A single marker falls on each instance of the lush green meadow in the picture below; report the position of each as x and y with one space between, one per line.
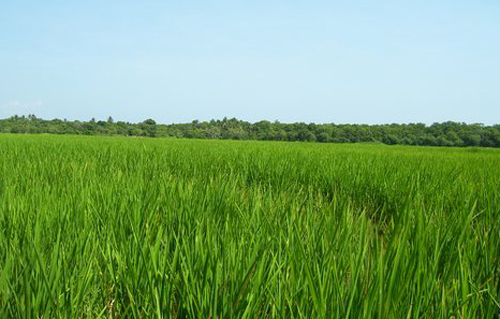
136 227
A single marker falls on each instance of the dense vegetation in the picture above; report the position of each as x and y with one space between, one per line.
438 134
119 227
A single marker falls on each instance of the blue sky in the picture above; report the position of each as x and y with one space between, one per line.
312 61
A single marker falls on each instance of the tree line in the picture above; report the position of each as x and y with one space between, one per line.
438 134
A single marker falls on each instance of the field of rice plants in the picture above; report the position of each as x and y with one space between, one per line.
117 227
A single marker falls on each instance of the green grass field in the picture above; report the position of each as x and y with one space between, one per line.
138 228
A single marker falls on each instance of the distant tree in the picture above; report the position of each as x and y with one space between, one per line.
438 134
472 139
391 139
280 136
429 140
454 139
148 127
490 138
323 137
443 141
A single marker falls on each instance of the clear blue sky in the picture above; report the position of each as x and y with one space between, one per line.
296 60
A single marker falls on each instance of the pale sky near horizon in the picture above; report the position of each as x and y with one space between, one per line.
293 61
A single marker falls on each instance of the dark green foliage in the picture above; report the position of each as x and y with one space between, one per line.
437 134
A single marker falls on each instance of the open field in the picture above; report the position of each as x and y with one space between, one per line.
136 227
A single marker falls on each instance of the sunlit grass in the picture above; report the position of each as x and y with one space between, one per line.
122 227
